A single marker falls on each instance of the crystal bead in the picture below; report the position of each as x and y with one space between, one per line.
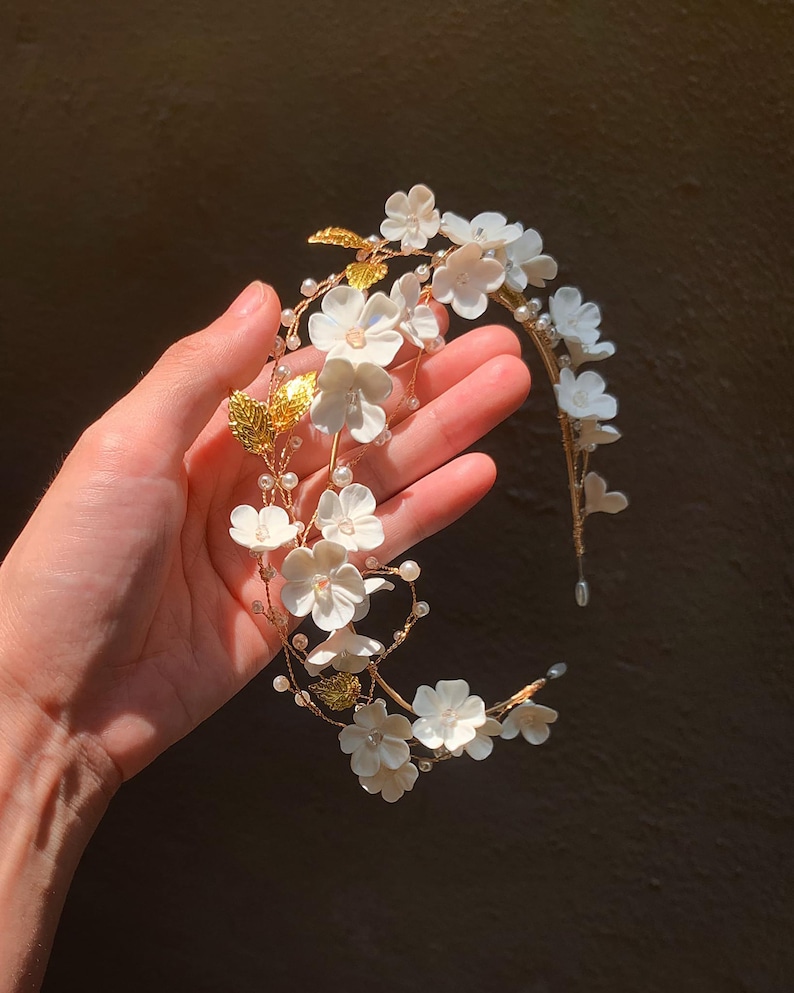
280 684
300 641
435 345
383 437
295 443
293 342
279 348
253 554
422 272
522 314
266 481
425 765
421 608
557 670
287 316
309 287
289 480
258 607
564 361
342 475
582 592
371 562
412 403
410 570
544 322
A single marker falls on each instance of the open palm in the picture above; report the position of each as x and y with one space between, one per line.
124 604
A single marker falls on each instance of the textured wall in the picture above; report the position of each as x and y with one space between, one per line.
157 156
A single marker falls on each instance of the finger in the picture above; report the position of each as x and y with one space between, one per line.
173 402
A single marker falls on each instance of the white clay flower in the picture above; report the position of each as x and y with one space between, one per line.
531 720
376 739
356 328
593 433
418 323
481 745
448 716
575 321
465 281
351 395
411 218
524 262
262 530
486 230
372 584
597 500
322 582
346 651
349 518
589 353
583 397
391 783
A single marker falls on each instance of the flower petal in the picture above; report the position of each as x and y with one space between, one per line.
329 509
425 730
452 693
366 422
356 500
328 555
298 565
393 751
245 518
426 702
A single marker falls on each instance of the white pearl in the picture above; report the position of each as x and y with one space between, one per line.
293 342
439 255
557 670
266 481
301 698
544 322
374 239
309 287
283 372
534 306
398 636
287 316
410 570
522 314
422 272
412 403
342 475
280 684
289 481
279 347
421 608
300 526
300 641
489 253
582 593
435 345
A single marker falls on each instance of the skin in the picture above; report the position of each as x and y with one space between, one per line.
125 614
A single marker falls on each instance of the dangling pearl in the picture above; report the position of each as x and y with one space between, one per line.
293 342
410 570
412 403
522 314
287 316
289 480
309 287
300 641
342 475
266 481
283 372
425 765
557 670
280 684
421 608
279 347
582 592
422 272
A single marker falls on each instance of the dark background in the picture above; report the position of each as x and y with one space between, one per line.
156 157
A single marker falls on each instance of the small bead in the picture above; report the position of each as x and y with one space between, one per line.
302 698
300 526
383 437
398 636
253 554
295 443
266 481
283 372
362 254
342 475
287 316
582 592
534 306
425 765
591 447
293 342
489 253
289 481
422 272
412 403
258 607
522 314
279 347
557 670
421 608
564 361
269 572
410 570
439 255
435 345
371 562
280 684
544 322
576 425
374 239
309 287
300 641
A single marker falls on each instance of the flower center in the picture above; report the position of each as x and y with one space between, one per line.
479 235
262 533
580 398
356 337
449 717
462 279
352 399
321 584
346 526
375 737
412 222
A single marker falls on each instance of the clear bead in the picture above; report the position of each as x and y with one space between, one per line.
371 562
266 481
309 287
295 443
421 608
293 342
342 475
422 272
435 345
300 641
564 361
557 670
287 316
383 437
412 403
279 347
269 572
258 607
410 570
591 447
289 480
582 592
280 684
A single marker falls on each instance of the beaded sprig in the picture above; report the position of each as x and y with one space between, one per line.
360 334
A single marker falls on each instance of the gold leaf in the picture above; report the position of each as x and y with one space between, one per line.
362 275
291 401
250 423
338 692
339 236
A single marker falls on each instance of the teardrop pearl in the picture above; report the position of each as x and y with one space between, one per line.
582 592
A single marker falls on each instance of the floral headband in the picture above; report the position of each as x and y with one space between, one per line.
483 259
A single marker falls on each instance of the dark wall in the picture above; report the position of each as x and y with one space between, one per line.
159 155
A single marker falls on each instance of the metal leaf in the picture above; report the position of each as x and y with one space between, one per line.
249 422
362 275
291 401
339 236
338 692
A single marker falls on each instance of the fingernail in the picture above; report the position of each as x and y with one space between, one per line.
250 300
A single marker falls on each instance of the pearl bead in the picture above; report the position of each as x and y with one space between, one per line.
522 314
534 306
374 239
582 593
295 443
266 481
591 447
301 698
544 322
422 272
289 481
300 641
425 765
287 316
421 608
371 562
412 403
439 255
283 372
280 684
342 475
410 570
557 670
309 287
399 636
258 607
435 345
300 526
293 342
279 348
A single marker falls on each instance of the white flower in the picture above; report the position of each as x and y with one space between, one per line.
524 262
345 650
351 395
356 328
320 580
391 783
349 518
448 716
583 397
261 530
466 279
574 320
593 433
372 584
418 322
486 230
597 500
411 218
481 745
376 739
531 720
589 353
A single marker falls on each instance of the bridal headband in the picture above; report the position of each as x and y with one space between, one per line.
327 567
